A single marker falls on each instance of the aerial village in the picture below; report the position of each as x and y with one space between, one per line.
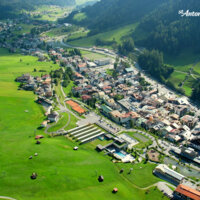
122 100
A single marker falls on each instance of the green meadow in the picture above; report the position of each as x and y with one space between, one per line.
92 56
25 28
51 13
62 172
182 63
79 17
116 35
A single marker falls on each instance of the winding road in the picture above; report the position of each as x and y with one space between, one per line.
6 198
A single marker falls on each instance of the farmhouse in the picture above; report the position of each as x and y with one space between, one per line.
53 117
81 67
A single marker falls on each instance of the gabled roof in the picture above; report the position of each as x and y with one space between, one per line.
188 192
170 172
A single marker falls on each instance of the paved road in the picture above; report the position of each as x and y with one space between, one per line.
8 198
63 109
60 40
163 187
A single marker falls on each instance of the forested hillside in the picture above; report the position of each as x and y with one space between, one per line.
161 27
108 14
167 31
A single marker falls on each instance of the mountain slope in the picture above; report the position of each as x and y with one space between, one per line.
161 27
166 30
108 14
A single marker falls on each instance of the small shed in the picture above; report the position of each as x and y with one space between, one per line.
75 148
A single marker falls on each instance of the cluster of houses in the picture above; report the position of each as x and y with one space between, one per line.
13 37
162 113
151 110
43 88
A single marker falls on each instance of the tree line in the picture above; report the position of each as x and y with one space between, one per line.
152 62
166 30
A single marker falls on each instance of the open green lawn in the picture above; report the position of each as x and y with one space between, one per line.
79 17
177 77
26 28
139 170
94 143
77 35
183 63
79 2
116 35
59 93
92 56
62 172
68 89
50 13
144 141
72 124
188 85
55 32
61 123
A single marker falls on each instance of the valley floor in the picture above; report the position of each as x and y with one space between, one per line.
62 172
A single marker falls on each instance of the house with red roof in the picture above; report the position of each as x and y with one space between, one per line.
81 67
184 192
85 98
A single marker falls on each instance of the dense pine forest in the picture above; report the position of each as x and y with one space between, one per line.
108 14
167 31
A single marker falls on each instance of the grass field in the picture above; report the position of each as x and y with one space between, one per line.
79 17
77 35
144 141
79 2
62 172
183 63
177 78
92 56
68 89
188 85
55 32
61 123
72 124
139 170
51 13
116 35
26 28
